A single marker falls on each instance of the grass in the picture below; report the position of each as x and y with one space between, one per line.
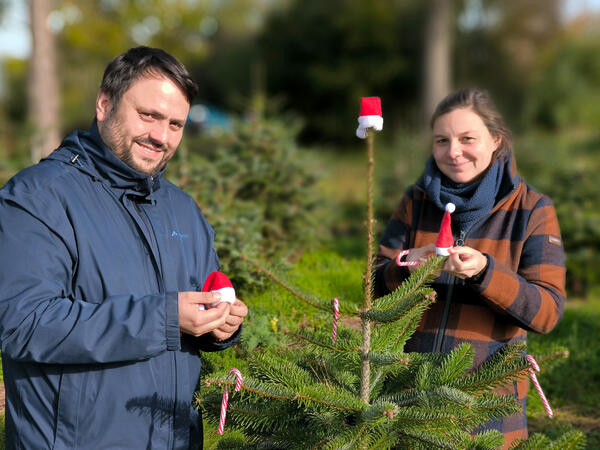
573 386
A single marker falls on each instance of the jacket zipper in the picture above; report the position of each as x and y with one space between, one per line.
440 333
150 246
162 289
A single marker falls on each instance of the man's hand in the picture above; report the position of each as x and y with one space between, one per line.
197 322
465 262
236 316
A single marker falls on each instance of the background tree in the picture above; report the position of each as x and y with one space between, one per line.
339 51
42 89
437 70
501 45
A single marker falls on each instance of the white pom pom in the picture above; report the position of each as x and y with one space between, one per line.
450 207
361 132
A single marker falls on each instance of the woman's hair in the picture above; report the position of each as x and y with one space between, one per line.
481 103
138 62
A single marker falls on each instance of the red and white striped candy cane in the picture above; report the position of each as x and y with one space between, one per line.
238 386
536 383
405 263
336 316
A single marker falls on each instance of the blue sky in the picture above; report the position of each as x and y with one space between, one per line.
15 39
14 32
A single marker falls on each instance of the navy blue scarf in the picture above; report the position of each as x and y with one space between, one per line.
473 200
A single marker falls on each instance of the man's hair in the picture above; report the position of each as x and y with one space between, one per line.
138 62
481 104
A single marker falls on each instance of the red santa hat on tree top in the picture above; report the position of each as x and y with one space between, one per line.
445 241
218 282
370 116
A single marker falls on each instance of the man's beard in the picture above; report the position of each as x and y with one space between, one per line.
113 138
127 156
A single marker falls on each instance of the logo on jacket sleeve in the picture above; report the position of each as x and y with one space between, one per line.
554 240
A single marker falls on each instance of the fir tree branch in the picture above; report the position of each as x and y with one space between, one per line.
246 387
422 275
295 397
306 298
316 341
503 367
402 307
316 400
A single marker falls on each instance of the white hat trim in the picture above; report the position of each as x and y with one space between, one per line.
227 294
442 251
374 121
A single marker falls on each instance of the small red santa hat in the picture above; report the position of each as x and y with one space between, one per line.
370 116
218 282
445 240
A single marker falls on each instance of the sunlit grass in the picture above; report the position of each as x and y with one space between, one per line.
573 386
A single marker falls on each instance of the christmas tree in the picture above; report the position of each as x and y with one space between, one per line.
355 387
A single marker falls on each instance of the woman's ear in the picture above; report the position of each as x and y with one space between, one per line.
497 142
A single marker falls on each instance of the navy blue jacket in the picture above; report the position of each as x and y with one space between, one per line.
92 256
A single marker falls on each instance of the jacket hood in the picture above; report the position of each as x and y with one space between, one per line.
86 151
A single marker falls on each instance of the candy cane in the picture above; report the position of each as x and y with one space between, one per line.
336 316
405 263
238 386
536 383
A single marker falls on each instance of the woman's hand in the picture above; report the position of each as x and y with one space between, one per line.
465 262
420 255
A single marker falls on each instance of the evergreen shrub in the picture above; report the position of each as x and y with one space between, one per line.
565 168
258 190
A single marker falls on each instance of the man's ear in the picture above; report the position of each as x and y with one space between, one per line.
103 106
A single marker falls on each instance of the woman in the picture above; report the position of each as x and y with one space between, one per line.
505 275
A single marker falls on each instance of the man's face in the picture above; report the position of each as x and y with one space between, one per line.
146 127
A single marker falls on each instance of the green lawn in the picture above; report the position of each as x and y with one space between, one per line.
572 386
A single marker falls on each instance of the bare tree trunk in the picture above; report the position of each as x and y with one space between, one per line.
365 376
437 70
43 84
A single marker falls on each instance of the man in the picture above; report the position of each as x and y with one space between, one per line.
101 261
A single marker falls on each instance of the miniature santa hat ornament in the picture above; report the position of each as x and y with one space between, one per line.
370 116
218 282
445 241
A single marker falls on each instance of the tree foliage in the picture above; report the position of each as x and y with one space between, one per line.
310 398
341 50
257 189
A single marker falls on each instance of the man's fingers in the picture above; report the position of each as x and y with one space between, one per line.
239 309
229 329
207 297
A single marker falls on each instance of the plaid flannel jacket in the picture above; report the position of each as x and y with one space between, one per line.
522 289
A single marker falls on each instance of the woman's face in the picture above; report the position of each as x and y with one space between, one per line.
462 145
